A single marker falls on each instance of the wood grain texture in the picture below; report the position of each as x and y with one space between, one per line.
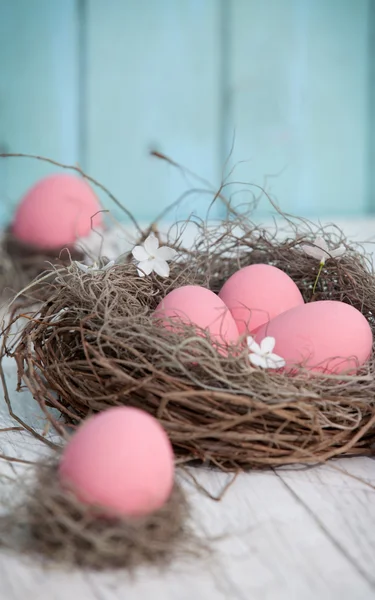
295 534
343 507
38 92
299 92
299 534
153 82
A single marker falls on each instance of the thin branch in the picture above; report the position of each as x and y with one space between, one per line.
81 172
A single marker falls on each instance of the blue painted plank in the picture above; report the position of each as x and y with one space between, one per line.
299 88
38 91
153 81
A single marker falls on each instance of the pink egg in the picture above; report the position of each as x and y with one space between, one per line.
56 211
324 336
258 293
121 460
192 304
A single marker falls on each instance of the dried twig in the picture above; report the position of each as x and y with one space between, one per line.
93 344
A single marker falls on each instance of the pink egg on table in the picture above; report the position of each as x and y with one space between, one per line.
324 336
195 305
56 211
258 293
120 460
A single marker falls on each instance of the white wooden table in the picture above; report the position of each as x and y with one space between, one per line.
298 534
302 533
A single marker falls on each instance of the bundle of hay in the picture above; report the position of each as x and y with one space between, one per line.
21 263
94 344
49 523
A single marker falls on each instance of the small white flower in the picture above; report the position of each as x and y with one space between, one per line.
95 267
261 355
152 258
319 249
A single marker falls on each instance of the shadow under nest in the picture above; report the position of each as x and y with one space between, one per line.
93 344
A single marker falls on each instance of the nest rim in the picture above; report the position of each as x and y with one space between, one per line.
253 430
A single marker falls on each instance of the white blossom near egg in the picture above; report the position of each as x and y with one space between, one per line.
319 250
151 257
262 355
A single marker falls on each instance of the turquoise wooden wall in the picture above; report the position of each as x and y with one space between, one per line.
38 90
100 82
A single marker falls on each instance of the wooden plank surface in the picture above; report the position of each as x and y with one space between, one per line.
341 506
297 533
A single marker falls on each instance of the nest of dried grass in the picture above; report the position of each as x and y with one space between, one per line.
52 524
21 263
93 344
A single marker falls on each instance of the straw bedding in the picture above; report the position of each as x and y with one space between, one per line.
94 344
21 263
51 524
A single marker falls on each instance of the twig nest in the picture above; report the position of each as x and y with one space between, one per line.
95 343
121 460
52 524
53 216
21 263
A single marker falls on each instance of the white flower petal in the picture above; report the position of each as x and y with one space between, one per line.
314 252
81 266
338 252
253 346
258 361
319 250
274 361
109 265
166 253
267 345
161 267
140 253
145 267
151 244
320 243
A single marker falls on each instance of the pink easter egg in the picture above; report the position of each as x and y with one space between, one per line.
56 211
325 336
258 293
195 305
120 460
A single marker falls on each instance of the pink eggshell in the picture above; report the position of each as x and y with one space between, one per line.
56 211
258 293
325 336
192 304
121 460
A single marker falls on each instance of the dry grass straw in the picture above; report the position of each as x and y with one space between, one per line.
54 526
21 263
93 344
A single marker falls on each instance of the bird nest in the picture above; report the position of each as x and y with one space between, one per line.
93 344
21 263
49 523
